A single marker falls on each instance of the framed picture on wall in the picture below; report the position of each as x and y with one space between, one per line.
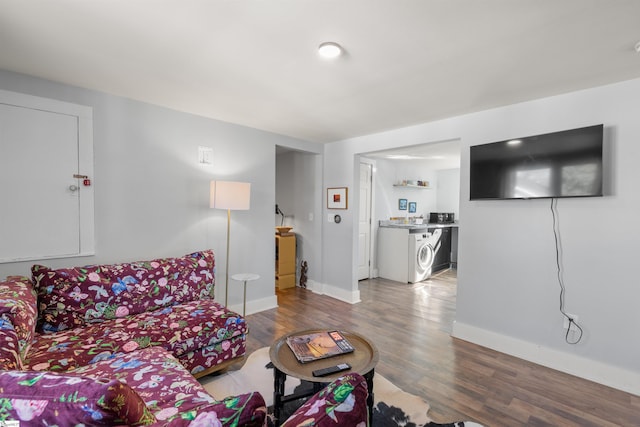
412 207
402 204
337 198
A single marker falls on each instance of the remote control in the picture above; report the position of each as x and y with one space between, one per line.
331 370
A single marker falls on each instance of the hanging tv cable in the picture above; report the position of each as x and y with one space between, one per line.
571 321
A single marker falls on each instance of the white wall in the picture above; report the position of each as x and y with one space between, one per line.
507 292
390 172
448 188
339 257
443 194
151 196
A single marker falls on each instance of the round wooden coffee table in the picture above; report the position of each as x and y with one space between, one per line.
362 360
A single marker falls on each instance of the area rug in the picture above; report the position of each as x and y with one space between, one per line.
393 407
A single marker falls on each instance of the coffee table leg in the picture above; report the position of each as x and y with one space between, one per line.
279 379
369 377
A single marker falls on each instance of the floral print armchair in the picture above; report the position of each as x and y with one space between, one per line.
341 403
146 387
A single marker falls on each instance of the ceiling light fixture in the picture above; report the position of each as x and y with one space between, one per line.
638 47
329 50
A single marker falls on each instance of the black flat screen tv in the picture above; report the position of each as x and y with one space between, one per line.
558 164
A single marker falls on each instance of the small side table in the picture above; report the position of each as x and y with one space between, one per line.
245 277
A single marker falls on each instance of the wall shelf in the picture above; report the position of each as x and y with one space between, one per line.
421 187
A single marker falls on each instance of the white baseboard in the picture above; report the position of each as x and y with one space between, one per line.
334 292
588 369
256 306
315 287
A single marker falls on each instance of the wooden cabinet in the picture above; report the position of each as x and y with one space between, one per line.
285 260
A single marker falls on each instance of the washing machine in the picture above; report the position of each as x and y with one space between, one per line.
423 248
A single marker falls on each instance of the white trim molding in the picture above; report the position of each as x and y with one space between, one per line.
588 369
334 292
256 306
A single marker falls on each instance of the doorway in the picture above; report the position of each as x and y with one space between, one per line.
299 201
437 163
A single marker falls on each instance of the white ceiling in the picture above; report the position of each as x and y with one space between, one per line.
254 62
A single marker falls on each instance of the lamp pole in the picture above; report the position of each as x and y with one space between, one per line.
230 196
226 271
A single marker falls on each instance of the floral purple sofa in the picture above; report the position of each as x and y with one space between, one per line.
87 314
120 345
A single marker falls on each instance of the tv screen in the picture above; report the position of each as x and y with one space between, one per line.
559 164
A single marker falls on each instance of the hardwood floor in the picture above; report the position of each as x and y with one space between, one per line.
411 326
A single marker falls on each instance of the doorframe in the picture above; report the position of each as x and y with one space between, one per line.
373 262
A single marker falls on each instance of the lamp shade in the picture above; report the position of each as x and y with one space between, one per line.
235 196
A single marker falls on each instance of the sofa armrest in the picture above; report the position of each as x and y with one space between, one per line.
9 345
341 403
18 313
69 400
244 410
18 310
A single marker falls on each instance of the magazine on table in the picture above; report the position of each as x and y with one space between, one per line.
318 345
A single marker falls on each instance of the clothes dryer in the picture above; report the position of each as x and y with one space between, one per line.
422 251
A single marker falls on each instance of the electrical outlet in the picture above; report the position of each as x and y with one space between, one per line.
572 327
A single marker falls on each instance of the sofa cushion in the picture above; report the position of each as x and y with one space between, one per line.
172 394
40 398
18 312
73 297
180 329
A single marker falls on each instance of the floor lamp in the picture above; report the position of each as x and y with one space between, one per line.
232 196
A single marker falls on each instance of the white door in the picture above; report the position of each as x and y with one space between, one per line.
42 202
364 222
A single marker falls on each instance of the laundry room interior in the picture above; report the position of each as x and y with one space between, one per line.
415 211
